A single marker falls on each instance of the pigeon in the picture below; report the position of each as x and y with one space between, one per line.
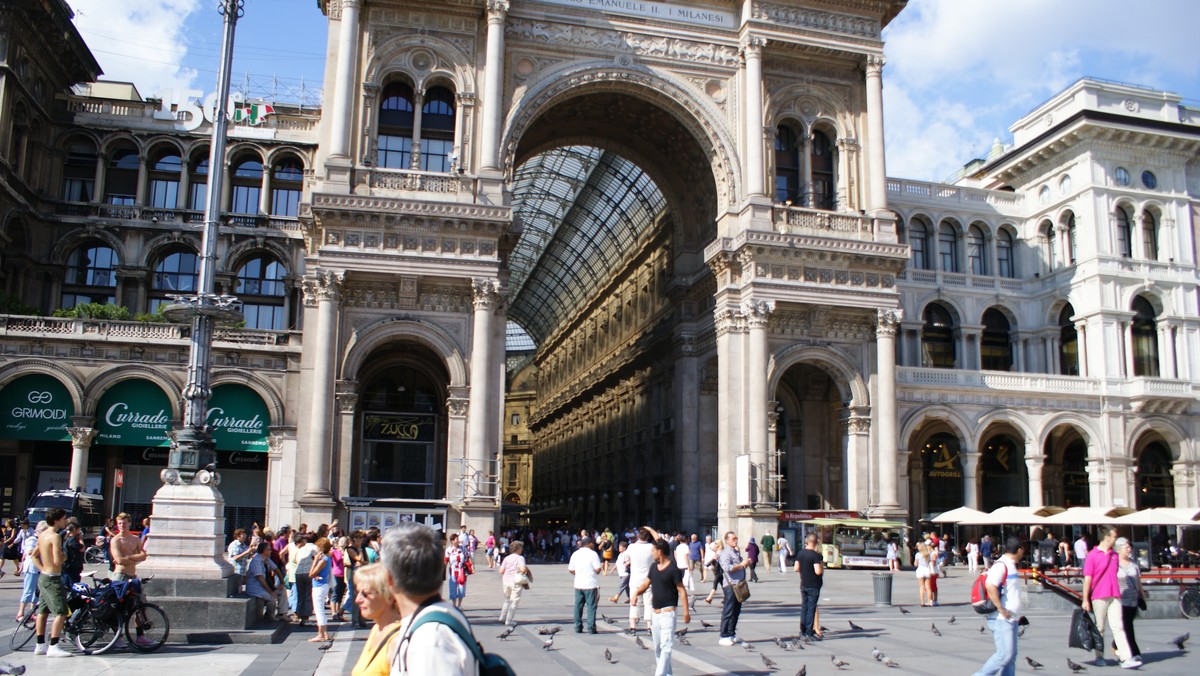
823 630
904 611
706 625
640 643
854 627
802 671
611 621
681 633
506 633
548 631
935 629
1034 663
768 662
325 646
795 645
839 664
747 647
876 654
1180 640
982 628
14 669
952 620
778 641
891 663
548 644
683 641
608 655
1076 668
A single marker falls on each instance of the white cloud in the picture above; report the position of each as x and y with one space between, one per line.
964 70
139 41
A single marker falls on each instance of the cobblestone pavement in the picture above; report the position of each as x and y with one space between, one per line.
771 612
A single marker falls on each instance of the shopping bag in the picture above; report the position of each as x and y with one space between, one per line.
1084 634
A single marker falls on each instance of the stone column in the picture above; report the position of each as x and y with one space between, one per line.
140 191
326 286
98 181
493 97
753 168
856 439
758 315
344 81
886 322
1164 351
1127 347
185 186
264 192
1034 462
347 405
1081 334
875 157
81 444
418 112
970 465
486 295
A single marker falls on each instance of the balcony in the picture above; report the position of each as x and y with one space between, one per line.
177 216
793 220
1155 394
110 331
419 181
922 192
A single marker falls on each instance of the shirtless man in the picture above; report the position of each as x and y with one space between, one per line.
126 549
49 558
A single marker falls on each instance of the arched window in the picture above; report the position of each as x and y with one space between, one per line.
948 247
1051 245
261 288
1072 240
995 345
941 467
1145 339
247 186
91 276
1149 236
120 180
977 252
822 164
175 274
1124 242
437 129
1004 254
395 126
937 338
79 172
198 183
1002 473
918 239
1075 475
1155 486
287 182
1068 342
787 166
164 180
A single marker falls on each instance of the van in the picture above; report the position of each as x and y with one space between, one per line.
88 508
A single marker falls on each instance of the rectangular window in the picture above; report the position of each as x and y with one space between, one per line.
1004 260
975 255
516 419
285 203
264 317
245 199
395 152
120 200
198 197
78 189
920 261
435 155
164 194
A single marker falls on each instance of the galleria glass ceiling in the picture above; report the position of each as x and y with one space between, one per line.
583 211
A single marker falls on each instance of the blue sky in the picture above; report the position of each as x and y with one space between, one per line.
959 72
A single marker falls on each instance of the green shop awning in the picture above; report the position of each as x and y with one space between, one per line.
36 407
239 419
133 413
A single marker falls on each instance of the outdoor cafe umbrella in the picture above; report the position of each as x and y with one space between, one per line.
1013 516
958 515
1087 516
1162 516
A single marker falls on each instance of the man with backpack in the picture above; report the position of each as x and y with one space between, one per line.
1003 591
435 638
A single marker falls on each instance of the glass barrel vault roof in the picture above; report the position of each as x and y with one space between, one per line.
583 211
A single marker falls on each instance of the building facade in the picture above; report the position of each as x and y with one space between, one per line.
639 263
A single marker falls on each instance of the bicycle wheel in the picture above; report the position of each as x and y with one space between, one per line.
1189 603
147 628
94 556
25 629
92 635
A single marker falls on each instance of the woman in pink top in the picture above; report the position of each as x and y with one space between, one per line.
512 566
337 565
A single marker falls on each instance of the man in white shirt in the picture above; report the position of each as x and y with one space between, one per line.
584 565
681 561
1081 550
1003 588
413 556
641 557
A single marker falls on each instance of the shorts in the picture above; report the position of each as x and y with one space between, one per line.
118 576
53 596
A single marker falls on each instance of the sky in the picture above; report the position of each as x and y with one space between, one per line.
959 73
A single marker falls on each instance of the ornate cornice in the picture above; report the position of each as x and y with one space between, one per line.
815 19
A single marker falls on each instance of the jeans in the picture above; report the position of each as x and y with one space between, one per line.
662 629
808 611
293 597
729 613
586 598
1004 661
29 586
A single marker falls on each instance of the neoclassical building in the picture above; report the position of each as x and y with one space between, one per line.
614 263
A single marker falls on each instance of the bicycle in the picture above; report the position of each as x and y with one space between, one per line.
27 626
96 555
1189 600
115 608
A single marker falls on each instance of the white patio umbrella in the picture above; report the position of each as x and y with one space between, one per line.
1087 516
1013 516
958 515
1162 516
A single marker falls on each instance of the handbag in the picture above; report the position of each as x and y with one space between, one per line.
470 566
1084 634
1141 602
460 577
522 580
741 591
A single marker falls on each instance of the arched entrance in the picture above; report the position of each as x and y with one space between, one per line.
936 473
1066 473
1155 486
810 441
1003 478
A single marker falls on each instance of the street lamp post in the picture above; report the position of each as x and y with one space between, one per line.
188 518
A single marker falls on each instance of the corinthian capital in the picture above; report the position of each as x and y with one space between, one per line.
81 436
728 320
758 312
752 46
323 285
485 293
497 10
887 321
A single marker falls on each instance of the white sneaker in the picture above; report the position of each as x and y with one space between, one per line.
1131 664
40 649
725 642
55 651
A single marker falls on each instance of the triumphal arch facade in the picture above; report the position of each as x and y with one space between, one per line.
667 221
